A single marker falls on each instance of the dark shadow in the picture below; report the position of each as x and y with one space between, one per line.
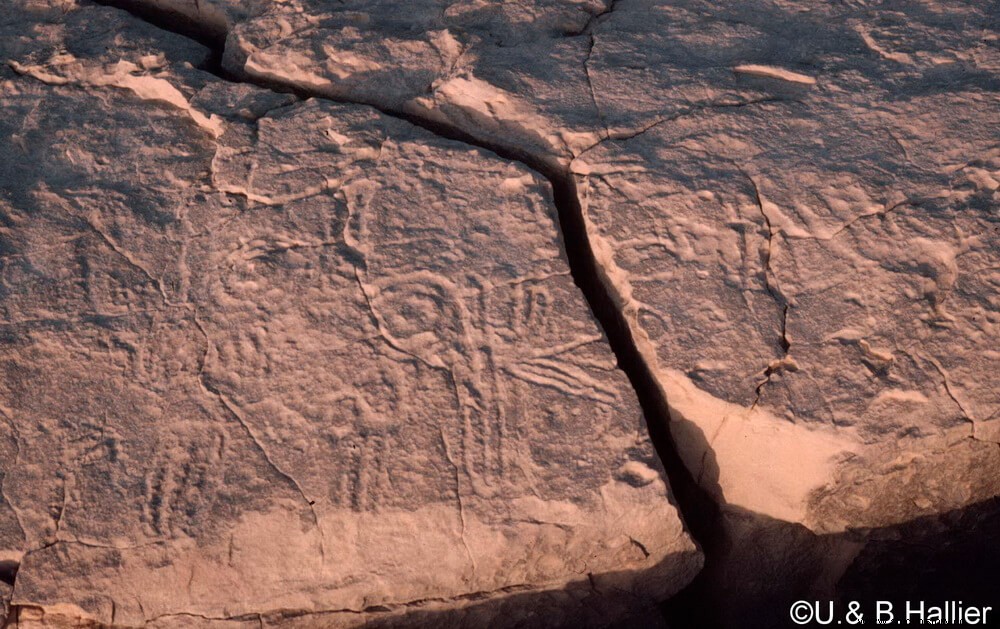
764 565
605 601
954 556
208 35
8 571
760 568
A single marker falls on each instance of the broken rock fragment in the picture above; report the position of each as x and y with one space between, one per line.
814 300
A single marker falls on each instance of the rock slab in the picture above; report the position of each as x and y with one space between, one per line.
266 357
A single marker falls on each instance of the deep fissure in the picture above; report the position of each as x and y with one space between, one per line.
700 512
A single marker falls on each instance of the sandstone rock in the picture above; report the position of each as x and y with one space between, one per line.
804 272
791 205
814 301
285 358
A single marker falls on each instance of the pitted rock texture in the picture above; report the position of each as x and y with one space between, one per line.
793 203
816 302
266 357
791 206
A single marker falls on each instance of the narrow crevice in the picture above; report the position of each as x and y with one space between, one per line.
778 365
701 513
786 345
594 19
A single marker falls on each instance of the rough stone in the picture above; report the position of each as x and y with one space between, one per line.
814 302
295 359
792 206
793 202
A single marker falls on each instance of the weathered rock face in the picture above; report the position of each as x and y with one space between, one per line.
814 301
793 202
253 337
267 356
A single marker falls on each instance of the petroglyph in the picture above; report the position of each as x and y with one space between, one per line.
324 341
247 326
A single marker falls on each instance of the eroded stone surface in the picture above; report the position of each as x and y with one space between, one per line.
794 203
835 301
265 355
828 286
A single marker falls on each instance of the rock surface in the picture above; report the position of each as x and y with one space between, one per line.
794 204
815 302
265 356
